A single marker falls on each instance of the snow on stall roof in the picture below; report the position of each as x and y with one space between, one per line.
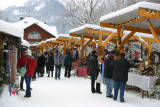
67 36
11 29
28 21
50 39
146 5
25 43
81 30
34 44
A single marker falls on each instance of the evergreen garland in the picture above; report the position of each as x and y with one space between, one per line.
152 58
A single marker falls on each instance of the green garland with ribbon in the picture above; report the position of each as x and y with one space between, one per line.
152 58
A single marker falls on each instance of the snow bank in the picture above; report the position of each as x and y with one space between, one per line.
70 92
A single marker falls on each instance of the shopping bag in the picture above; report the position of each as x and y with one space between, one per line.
23 71
99 78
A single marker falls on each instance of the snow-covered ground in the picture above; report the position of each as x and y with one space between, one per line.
70 92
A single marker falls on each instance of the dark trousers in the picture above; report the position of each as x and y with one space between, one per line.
40 71
46 68
58 71
117 86
34 76
28 83
67 71
98 85
21 82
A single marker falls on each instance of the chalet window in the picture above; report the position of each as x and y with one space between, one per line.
34 35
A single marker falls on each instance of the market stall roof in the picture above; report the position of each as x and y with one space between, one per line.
132 13
11 29
91 30
25 43
28 21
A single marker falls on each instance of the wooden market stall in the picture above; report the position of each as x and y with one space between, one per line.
10 44
143 19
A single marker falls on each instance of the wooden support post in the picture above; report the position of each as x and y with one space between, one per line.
100 48
84 46
65 49
149 51
153 32
59 46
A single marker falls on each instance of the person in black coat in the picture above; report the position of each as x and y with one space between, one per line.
120 75
41 64
94 70
50 64
108 73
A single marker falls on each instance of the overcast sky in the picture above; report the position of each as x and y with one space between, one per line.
6 3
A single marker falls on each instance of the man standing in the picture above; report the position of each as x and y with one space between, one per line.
108 73
50 64
67 63
120 76
31 64
41 64
94 70
58 60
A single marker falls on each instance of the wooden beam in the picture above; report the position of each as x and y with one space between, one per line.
108 39
141 30
126 39
153 32
143 43
148 13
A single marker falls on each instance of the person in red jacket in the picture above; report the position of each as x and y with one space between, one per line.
31 64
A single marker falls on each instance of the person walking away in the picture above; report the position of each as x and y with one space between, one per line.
58 60
50 64
120 76
41 64
108 73
67 63
94 70
31 64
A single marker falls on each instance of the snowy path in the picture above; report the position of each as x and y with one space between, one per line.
70 92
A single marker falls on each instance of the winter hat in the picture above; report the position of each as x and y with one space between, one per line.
28 52
113 52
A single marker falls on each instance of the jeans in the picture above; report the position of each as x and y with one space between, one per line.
117 86
109 86
58 71
28 83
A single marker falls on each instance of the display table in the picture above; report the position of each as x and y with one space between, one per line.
82 71
141 81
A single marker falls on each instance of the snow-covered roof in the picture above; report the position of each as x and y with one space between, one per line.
66 36
25 43
130 13
81 30
11 29
50 39
28 21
